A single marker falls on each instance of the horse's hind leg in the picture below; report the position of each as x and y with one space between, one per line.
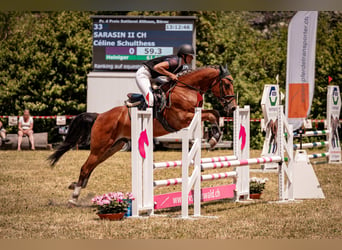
88 167
91 163
213 117
115 148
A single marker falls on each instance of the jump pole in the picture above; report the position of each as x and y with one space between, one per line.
311 145
315 156
217 165
173 164
313 133
206 177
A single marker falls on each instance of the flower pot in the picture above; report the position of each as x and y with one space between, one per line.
255 196
129 209
117 216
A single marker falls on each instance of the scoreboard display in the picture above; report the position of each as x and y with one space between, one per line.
123 43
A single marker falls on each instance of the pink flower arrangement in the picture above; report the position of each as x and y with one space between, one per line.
257 185
114 202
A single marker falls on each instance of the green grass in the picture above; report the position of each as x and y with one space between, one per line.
34 199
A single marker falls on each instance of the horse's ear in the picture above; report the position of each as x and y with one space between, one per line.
222 70
227 70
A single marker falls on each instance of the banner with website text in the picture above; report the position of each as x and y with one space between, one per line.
300 75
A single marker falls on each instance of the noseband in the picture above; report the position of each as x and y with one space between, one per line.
225 99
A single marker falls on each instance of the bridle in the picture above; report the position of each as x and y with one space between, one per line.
219 80
223 98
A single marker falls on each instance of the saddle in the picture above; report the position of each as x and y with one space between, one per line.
161 92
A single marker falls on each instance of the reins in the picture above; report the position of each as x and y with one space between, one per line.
191 87
218 80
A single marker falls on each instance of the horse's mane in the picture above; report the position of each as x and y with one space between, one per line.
191 71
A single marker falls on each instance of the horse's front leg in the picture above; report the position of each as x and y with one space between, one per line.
213 117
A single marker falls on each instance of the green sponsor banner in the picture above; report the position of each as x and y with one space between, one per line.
130 57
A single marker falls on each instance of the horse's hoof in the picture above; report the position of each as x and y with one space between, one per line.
212 142
72 203
72 186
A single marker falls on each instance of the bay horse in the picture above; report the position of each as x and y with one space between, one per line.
109 131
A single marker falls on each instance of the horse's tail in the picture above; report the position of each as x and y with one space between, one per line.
78 133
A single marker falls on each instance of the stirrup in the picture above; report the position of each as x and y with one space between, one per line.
139 105
134 97
132 104
136 100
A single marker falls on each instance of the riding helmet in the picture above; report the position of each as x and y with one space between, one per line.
186 49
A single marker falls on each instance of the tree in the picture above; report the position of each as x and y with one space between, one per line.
45 58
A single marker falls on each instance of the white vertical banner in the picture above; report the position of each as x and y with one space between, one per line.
269 104
333 119
300 74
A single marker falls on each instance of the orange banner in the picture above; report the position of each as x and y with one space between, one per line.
298 100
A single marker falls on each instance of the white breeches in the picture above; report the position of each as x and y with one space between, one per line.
143 79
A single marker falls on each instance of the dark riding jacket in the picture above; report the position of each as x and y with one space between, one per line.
175 65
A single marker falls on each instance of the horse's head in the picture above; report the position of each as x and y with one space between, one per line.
223 89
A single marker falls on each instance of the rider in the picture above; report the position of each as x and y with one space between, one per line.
162 66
